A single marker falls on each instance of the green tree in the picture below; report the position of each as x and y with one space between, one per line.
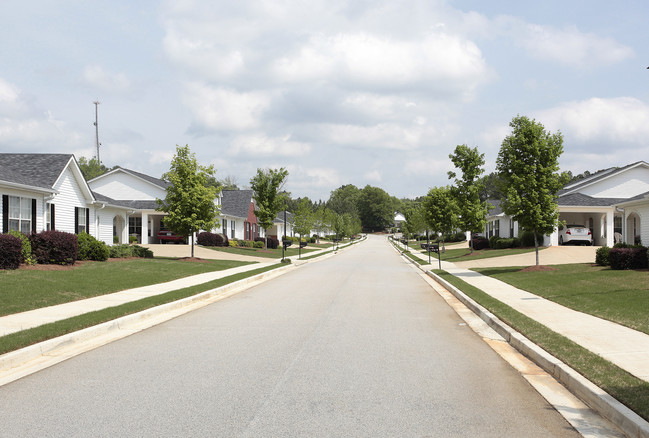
303 218
375 208
492 187
189 202
267 185
344 200
91 168
473 211
415 219
441 210
528 164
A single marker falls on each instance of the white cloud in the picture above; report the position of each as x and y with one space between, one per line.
8 92
379 136
98 77
373 175
225 109
567 45
259 145
607 123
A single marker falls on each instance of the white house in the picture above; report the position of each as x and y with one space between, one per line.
48 192
611 202
131 200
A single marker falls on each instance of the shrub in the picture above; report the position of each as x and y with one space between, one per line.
206 239
245 243
501 243
493 240
527 238
222 240
140 251
54 247
121 251
115 240
628 258
257 244
132 239
91 248
480 243
10 251
601 256
271 242
26 252
233 243
456 237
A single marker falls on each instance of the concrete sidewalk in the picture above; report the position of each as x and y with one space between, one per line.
625 347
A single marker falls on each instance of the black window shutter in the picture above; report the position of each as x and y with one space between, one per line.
52 227
76 220
88 220
5 213
33 216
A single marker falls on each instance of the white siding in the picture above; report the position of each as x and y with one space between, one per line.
69 197
642 211
120 186
624 185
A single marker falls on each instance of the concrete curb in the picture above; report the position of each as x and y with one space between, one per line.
599 400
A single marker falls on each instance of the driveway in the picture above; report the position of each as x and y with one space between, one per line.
554 255
169 250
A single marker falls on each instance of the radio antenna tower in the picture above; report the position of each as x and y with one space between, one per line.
96 102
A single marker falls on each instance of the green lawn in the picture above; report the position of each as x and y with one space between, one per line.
464 255
629 390
266 253
22 290
620 296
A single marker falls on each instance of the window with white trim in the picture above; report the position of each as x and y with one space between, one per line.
81 220
233 225
20 214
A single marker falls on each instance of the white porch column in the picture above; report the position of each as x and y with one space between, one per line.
125 230
145 228
609 228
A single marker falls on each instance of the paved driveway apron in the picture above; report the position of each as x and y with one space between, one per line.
356 346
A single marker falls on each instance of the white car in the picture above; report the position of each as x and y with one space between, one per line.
575 234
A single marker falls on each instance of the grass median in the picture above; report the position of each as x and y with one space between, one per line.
28 337
629 390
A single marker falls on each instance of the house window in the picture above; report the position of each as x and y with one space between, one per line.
20 214
48 216
135 226
511 228
497 227
248 236
617 224
233 225
82 218
225 227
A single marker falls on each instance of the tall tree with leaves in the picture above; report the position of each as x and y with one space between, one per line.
303 217
267 185
472 211
528 165
441 211
375 208
92 168
189 202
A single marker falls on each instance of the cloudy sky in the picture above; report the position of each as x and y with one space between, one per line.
363 92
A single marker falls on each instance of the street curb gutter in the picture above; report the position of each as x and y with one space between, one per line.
628 421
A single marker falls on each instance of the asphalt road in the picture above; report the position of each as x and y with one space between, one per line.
354 346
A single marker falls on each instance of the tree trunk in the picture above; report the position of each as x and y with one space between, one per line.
536 248
192 240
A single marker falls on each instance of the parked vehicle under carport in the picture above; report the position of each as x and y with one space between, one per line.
577 234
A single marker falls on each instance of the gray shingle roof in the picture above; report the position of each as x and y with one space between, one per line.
132 204
280 217
596 177
36 170
236 203
581 200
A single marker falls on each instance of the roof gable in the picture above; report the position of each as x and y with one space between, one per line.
625 182
33 170
236 203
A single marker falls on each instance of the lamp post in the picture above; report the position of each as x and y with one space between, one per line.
439 252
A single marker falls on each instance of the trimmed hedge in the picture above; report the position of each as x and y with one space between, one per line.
503 243
54 247
91 248
480 243
527 238
124 251
26 252
211 239
628 258
270 241
10 251
601 256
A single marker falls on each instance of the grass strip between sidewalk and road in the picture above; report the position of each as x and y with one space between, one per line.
15 341
629 390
